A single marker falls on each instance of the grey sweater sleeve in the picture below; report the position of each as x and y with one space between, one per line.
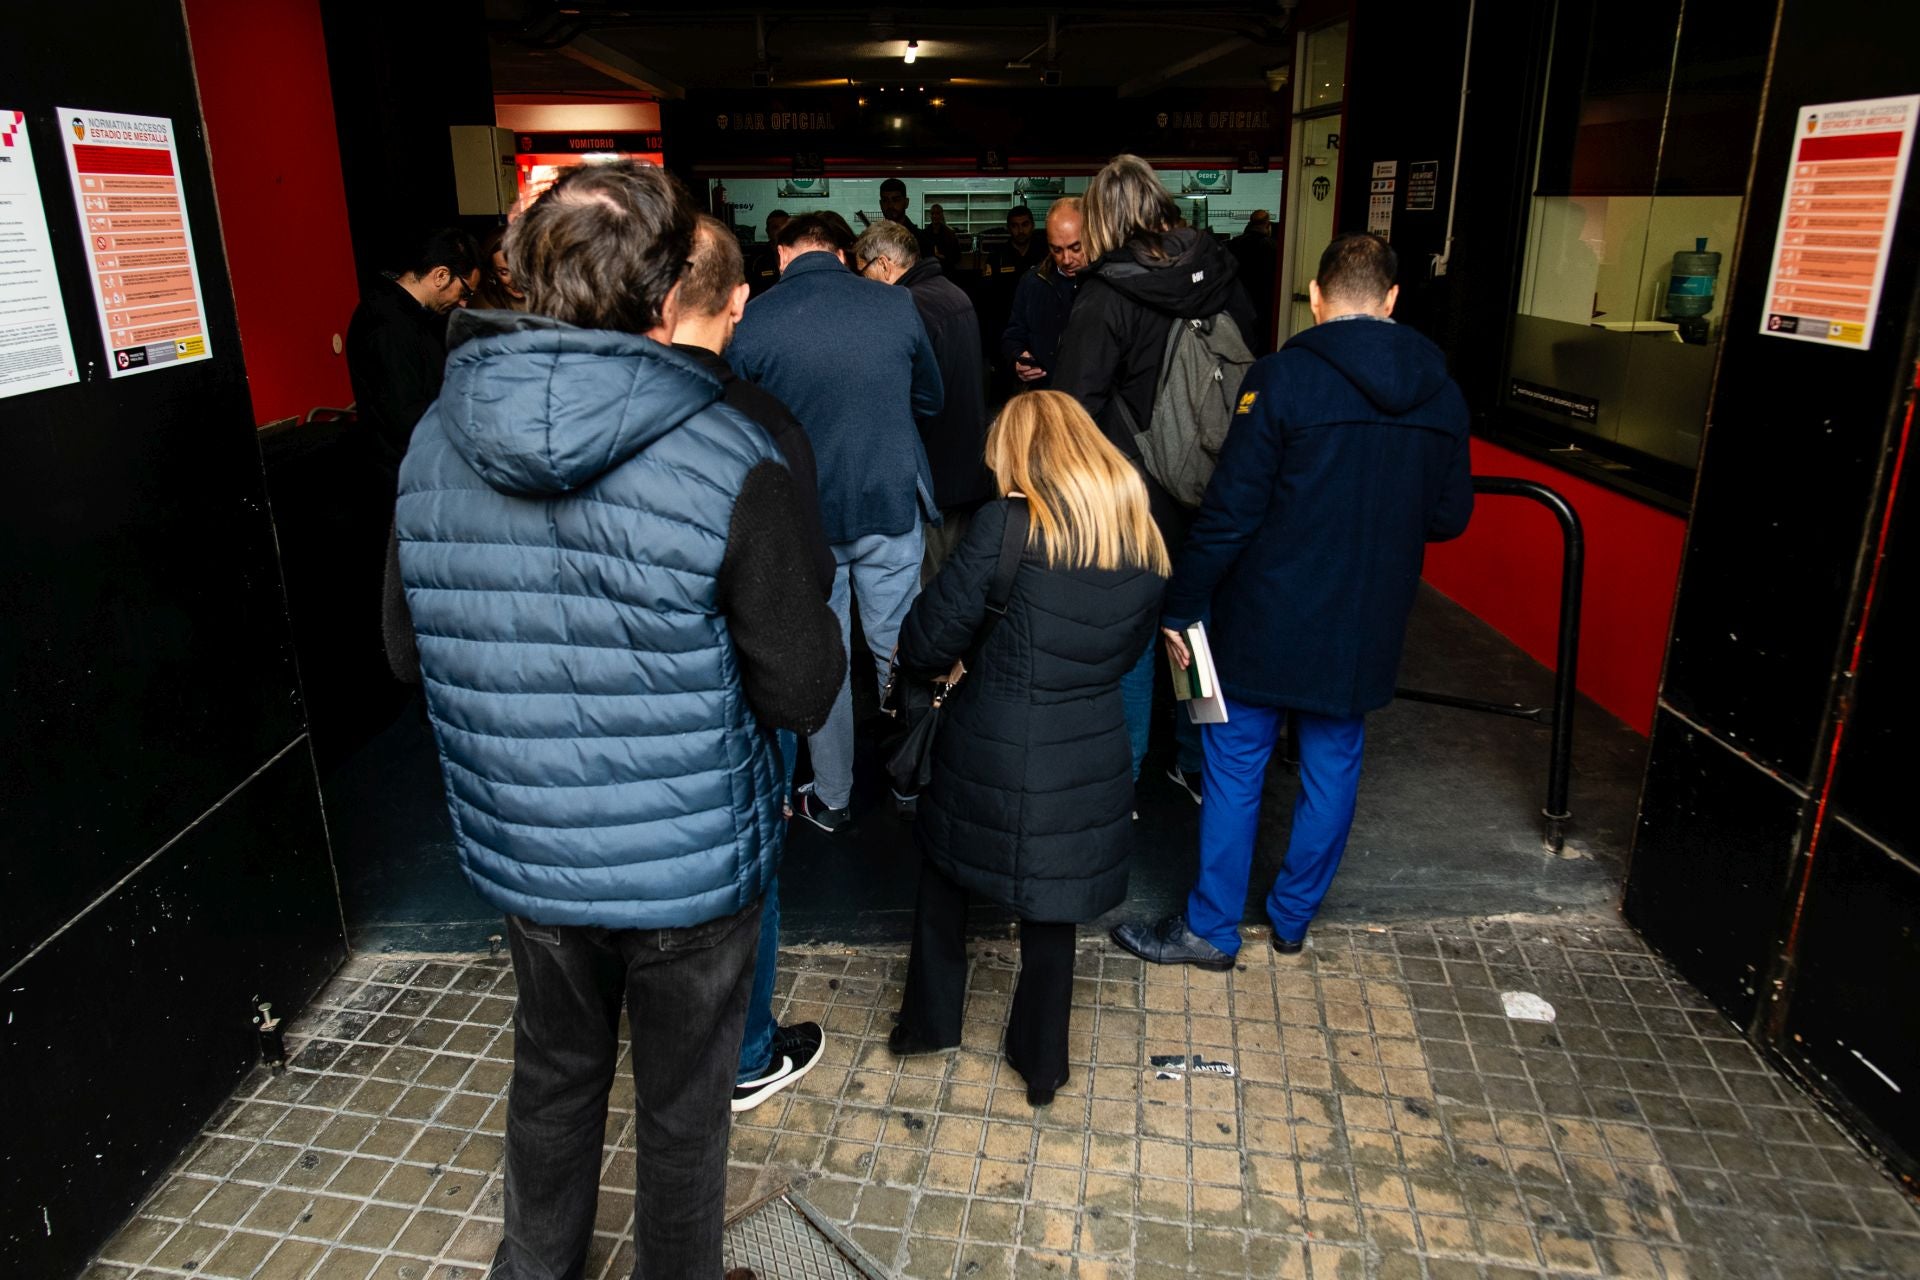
787 639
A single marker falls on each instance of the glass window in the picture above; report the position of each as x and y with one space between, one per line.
1645 142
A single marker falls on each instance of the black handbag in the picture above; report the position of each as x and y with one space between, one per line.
915 701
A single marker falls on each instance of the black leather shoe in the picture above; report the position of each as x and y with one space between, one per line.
1287 948
1171 942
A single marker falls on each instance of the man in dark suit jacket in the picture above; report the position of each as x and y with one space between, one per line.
956 436
851 359
1347 456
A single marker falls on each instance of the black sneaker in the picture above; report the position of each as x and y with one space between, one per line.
808 806
1187 782
1288 947
906 808
795 1050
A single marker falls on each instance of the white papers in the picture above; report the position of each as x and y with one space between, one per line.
1198 684
36 348
133 214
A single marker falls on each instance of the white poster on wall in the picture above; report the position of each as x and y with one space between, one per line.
133 215
1848 168
36 347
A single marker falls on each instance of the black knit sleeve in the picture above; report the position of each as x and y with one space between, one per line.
396 620
786 638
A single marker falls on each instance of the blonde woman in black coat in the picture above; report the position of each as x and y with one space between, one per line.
1030 804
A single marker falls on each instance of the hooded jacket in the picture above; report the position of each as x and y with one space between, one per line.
1347 456
613 603
1117 332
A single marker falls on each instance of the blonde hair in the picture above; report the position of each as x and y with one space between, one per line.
1126 202
1088 504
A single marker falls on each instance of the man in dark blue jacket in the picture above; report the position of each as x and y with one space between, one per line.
611 591
852 361
1347 456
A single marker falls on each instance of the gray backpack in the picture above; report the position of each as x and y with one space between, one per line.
1193 404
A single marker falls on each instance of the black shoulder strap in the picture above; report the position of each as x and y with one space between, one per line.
1013 545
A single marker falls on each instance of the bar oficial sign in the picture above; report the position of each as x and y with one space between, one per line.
774 121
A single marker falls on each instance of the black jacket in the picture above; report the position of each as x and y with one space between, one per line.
1040 310
763 407
1348 456
1117 334
396 357
1032 793
956 436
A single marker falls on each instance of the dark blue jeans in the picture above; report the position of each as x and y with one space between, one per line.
685 991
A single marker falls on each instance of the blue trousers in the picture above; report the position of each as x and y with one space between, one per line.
756 1045
1237 754
1136 700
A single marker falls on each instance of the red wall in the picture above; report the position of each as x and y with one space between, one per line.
1506 570
283 211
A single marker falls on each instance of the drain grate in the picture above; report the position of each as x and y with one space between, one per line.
787 1239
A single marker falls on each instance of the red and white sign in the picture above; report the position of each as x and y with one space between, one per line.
1829 262
146 285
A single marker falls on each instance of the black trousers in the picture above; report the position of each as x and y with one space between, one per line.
685 991
936 991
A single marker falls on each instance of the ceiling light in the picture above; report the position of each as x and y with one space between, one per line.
913 51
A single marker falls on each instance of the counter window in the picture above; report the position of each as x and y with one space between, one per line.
1649 117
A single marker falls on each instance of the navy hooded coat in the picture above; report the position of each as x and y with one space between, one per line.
1348 455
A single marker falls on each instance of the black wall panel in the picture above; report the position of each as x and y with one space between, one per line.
1795 441
121 1035
1784 583
157 872
1710 862
1854 1026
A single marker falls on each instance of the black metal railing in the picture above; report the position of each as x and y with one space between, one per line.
1559 716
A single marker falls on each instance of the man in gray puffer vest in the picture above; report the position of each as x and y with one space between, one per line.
615 609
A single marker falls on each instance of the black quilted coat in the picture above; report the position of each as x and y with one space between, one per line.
1032 793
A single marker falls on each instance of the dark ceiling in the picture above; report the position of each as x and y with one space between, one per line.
542 47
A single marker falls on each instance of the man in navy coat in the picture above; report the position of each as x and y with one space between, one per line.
851 359
1347 456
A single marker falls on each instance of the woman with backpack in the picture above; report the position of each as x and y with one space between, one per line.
1145 273
1028 805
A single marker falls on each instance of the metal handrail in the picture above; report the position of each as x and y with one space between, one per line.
1566 669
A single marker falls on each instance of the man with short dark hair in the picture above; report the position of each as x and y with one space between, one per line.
613 602
397 339
851 358
713 295
1044 299
956 436
1002 270
1347 456
893 208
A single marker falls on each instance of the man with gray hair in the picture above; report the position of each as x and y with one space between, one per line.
613 603
956 436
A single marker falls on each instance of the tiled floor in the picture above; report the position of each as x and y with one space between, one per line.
1386 1120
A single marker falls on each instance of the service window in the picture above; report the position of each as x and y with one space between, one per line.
1645 142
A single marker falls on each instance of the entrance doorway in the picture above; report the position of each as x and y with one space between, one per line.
1319 102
